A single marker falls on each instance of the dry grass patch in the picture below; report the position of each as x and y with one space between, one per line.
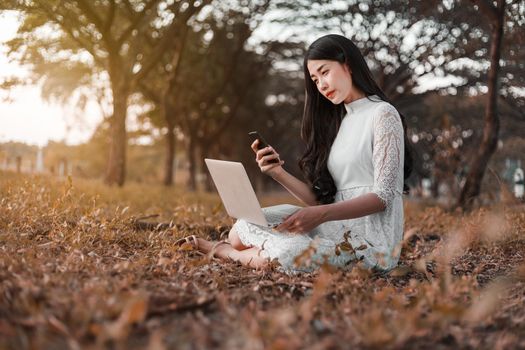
76 271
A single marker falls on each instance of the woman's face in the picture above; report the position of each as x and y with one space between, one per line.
333 80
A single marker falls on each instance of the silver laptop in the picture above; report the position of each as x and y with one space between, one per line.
237 193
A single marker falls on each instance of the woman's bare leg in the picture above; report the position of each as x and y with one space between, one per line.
248 256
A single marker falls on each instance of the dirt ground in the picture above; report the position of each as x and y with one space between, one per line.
78 272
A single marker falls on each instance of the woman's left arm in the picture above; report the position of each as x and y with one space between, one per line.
308 218
366 204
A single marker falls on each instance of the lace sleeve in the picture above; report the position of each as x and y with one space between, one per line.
388 151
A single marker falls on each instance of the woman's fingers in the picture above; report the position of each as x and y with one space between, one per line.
263 152
284 226
292 228
269 157
264 157
263 160
266 168
254 145
287 224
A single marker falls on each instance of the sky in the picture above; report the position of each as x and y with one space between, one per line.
25 116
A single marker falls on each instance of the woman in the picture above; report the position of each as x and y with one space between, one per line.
355 162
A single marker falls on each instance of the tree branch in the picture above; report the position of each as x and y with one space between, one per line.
99 24
167 40
111 16
487 8
149 93
83 43
136 21
229 70
129 8
91 15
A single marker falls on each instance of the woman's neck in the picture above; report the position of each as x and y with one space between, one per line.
354 95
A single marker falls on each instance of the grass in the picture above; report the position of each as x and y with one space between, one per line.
77 272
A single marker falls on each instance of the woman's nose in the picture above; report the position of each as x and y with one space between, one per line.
323 85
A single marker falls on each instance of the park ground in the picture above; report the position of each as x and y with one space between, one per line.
85 266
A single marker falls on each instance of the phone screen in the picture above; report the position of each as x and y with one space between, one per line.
262 142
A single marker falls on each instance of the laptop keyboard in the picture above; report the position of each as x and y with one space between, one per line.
273 218
275 214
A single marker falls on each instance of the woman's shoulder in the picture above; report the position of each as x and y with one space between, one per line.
386 118
382 107
385 110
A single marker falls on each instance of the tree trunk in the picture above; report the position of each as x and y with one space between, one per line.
116 172
208 186
170 152
489 142
168 114
170 157
434 188
18 164
192 179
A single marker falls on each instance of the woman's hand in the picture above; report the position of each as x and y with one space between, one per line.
264 156
304 220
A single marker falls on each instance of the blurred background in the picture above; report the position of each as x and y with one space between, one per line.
143 91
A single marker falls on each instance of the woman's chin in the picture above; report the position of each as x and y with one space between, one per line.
336 100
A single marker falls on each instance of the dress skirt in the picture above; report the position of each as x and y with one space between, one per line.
339 243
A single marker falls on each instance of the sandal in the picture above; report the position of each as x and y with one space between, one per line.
189 243
211 254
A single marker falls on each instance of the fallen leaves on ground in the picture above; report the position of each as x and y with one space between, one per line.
87 266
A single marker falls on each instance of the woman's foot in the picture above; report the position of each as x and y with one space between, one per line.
249 257
200 244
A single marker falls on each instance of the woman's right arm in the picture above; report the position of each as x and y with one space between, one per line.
296 187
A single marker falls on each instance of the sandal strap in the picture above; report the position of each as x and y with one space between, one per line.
195 241
191 239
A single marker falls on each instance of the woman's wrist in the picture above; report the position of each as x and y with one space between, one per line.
278 173
324 212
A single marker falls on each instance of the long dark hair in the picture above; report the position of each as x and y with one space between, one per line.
321 118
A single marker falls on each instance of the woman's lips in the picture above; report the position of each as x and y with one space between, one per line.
330 94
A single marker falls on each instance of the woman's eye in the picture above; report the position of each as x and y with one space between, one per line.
325 72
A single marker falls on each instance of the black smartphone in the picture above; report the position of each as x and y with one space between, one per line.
262 143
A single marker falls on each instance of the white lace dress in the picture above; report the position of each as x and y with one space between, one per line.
366 157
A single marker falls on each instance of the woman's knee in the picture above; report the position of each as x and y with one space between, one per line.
235 241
